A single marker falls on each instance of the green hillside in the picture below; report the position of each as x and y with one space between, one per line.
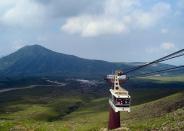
53 108
164 114
171 79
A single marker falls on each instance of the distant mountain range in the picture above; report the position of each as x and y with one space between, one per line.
36 60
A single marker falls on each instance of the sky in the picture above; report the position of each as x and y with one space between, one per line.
111 30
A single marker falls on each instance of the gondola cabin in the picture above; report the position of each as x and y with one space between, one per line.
119 97
119 100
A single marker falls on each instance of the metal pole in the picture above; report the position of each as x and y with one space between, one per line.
114 119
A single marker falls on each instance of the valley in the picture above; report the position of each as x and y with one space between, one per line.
80 105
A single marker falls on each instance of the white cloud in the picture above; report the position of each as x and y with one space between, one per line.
118 16
21 12
164 47
167 46
93 26
150 18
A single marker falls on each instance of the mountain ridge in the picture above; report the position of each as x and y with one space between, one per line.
36 60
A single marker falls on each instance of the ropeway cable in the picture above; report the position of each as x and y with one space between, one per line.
168 57
157 72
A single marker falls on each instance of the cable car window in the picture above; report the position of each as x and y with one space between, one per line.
122 102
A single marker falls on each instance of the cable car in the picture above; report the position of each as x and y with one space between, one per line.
119 97
120 100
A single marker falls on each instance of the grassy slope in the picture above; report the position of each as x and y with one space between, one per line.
41 110
166 113
165 79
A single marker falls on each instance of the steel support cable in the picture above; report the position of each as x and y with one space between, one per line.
174 57
157 72
171 56
168 57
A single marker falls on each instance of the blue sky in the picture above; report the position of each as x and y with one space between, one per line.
111 30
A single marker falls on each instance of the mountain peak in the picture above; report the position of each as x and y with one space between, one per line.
33 47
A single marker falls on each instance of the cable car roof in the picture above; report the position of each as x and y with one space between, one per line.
120 94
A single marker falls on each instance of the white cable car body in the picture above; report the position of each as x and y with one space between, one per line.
119 99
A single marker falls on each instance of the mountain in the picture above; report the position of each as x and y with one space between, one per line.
36 60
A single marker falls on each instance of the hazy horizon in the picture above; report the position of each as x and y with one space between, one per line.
90 58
